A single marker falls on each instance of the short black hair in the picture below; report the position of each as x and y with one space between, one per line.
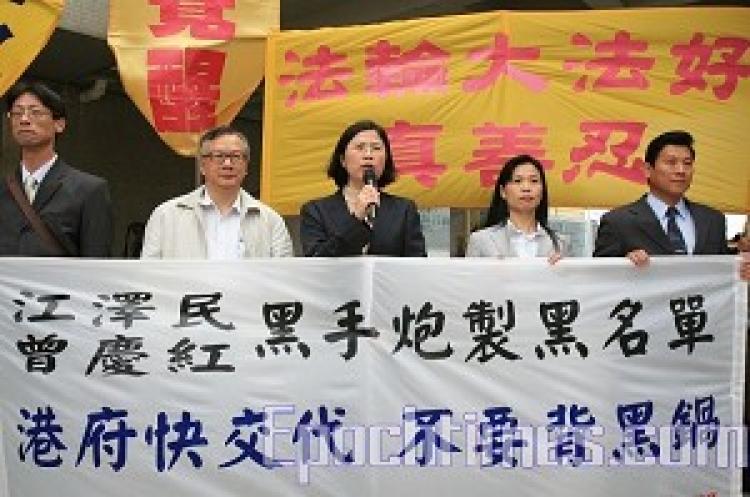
677 137
49 97
337 171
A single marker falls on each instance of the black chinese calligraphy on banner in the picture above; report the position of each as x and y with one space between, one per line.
370 377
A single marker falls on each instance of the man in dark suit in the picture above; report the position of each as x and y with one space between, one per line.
74 205
663 221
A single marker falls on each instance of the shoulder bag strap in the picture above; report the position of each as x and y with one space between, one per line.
41 229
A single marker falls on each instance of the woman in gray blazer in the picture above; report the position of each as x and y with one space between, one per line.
516 222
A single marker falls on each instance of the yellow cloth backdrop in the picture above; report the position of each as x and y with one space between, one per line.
190 66
583 91
25 28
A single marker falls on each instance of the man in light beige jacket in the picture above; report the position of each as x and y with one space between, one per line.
219 220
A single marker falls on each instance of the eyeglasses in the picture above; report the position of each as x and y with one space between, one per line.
35 113
221 157
365 147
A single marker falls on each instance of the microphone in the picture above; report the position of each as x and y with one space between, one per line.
369 178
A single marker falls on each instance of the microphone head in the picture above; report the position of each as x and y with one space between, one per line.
369 177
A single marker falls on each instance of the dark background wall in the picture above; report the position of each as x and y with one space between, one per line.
110 138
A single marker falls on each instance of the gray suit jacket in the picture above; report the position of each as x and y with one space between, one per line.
495 242
635 226
75 206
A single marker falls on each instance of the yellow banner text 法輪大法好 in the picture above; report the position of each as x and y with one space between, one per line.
584 92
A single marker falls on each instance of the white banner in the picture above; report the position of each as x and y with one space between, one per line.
371 377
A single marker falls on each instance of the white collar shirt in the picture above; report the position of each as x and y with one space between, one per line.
525 245
683 218
40 173
223 238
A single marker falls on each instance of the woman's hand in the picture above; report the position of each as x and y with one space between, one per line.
554 257
367 195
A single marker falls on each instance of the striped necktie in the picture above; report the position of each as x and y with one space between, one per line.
674 233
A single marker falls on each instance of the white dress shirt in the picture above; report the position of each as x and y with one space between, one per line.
39 174
683 218
526 245
223 239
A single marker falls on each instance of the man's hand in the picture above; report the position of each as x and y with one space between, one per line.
638 257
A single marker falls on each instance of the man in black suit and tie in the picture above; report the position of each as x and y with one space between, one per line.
74 206
663 221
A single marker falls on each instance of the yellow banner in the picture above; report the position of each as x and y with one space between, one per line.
25 27
190 66
582 91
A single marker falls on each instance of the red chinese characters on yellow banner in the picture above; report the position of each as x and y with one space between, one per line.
204 19
583 92
184 87
194 63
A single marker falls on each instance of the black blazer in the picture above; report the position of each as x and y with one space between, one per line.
328 229
75 206
635 226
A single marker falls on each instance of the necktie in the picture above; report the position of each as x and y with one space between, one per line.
30 186
674 233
